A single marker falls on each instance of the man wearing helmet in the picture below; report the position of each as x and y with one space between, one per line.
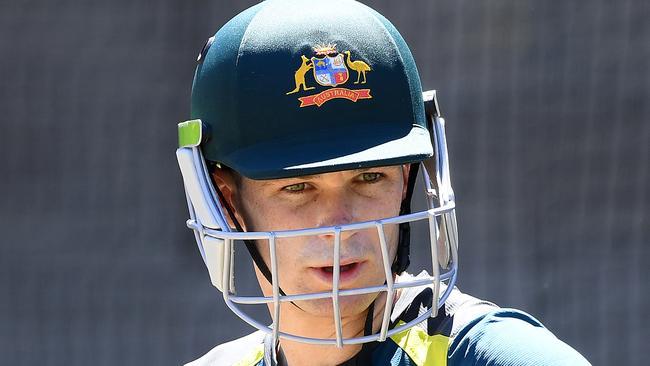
309 127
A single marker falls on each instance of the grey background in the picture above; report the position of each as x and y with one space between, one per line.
548 126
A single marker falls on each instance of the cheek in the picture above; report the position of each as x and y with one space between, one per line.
385 203
263 216
269 215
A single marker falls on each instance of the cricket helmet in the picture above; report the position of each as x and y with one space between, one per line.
290 88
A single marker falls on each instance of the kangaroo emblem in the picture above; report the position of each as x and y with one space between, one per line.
359 66
300 75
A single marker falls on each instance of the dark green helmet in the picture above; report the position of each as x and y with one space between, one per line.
293 87
297 87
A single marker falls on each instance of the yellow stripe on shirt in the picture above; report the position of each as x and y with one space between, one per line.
252 358
425 350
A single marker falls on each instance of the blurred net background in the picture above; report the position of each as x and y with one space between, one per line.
549 125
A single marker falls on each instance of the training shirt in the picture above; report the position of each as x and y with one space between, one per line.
466 331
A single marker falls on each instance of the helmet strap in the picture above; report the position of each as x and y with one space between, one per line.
402 259
367 329
250 245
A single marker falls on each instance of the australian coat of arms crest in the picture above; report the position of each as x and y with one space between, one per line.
330 69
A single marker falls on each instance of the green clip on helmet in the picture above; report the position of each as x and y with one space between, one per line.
293 87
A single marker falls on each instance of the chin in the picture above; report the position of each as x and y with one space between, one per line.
348 305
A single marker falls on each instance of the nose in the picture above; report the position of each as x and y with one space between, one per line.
334 209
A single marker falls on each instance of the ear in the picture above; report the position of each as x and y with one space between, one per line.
225 181
406 169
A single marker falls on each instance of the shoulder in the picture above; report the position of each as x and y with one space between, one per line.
478 332
508 337
459 309
244 351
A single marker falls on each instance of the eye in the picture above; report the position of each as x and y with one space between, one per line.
371 177
294 188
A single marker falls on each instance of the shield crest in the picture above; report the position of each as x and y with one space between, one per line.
330 71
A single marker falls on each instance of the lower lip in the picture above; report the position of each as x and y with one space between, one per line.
348 272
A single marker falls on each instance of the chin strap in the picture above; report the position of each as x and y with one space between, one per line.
250 245
367 329
402 260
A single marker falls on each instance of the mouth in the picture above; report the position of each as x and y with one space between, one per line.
345 268
348 272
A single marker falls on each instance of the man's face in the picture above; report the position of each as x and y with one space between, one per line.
305 263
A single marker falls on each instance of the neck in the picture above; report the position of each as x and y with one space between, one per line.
300 322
